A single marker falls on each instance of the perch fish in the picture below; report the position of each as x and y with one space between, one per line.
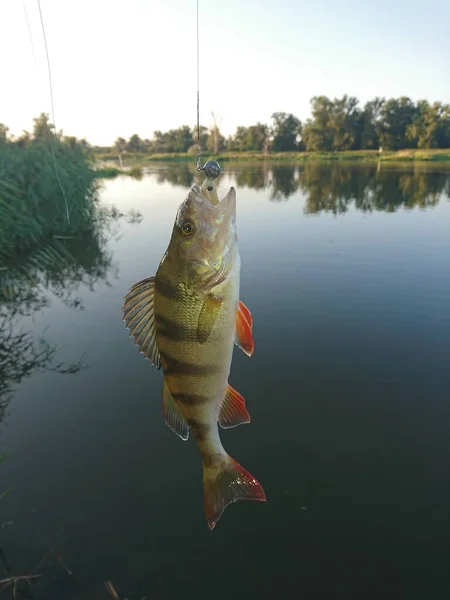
186 320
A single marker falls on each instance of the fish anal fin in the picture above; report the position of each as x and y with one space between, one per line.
173 416
244 323
233 412
139 317
225 482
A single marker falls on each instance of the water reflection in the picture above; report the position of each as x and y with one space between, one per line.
330 187
178 174
58 269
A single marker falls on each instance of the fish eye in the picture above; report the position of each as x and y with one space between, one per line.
187 227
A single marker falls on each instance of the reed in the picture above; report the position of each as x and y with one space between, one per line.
32 204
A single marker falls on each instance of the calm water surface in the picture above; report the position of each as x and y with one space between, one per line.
347 274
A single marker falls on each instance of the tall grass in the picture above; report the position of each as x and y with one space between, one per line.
32 205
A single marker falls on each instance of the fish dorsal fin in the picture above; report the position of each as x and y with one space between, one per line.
139 317
233 412
244 323
173 415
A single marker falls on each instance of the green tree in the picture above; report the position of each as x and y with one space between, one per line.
317 133
344 122
24 140
237 142
3 133
431 125
215 142
370 124
256 137
335 124
204 134
120 145
135 144
396 115
287 130
182 139
42 127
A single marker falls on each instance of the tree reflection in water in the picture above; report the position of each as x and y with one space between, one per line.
58 268
330 187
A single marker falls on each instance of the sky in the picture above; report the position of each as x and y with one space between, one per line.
120 68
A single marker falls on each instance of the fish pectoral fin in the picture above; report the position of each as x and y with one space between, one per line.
173 416
139 317
233 412
207 317
244 324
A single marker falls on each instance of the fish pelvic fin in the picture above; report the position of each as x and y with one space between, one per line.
225 481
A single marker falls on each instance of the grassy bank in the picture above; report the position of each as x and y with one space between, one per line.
139 158
32 203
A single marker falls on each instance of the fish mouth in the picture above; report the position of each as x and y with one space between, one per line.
225 207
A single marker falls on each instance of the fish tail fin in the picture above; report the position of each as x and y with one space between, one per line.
226 481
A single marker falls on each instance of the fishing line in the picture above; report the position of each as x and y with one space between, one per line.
29 31
198 97
211 168
53 113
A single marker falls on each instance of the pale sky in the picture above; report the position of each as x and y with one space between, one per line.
124 67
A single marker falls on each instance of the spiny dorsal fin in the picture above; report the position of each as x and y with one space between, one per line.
139 317
173 416
244 323
233 412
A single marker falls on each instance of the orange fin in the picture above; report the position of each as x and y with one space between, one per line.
139 317
233 412
247 313
244 323
225 482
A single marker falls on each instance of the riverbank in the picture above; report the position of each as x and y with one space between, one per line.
141 159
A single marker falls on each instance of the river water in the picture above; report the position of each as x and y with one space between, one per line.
346 270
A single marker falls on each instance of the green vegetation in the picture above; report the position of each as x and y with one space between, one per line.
33 193
336 125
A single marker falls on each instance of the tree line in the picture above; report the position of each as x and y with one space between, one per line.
334 125
43 132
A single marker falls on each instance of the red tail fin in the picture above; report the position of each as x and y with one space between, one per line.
226 482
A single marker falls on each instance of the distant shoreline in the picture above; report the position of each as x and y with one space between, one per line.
372 156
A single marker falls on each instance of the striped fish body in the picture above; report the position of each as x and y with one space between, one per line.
186 320
195 334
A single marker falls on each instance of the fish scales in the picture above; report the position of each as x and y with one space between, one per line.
195 372
176 331
186 319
